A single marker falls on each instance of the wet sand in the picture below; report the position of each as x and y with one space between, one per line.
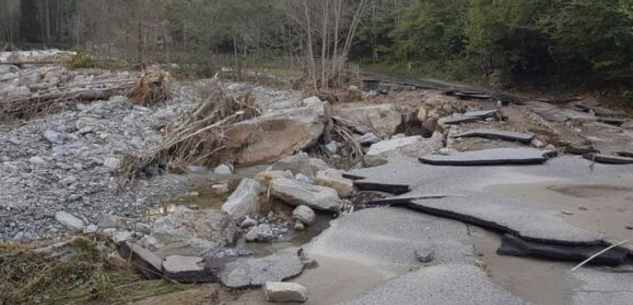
602 205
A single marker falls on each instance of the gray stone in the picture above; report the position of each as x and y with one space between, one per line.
411 147
332 147
318 165
254 272
368 139
425 255
116 222
38 162
69 221
304 214
121 236
248 222
285 292
297 164
201 228
186 269
90 229
333 178
384 118
54 137
497 135
436 285
296 193
244 200
265 177
260 233
495 156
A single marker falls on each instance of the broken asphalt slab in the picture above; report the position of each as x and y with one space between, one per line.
472 116
609 159
495 156
516 246
391 236
497 135
439 285
244 273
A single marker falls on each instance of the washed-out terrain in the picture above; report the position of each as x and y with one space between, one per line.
215 192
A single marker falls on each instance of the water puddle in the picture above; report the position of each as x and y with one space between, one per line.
534 280
601 205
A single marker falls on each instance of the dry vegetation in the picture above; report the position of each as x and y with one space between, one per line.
195 138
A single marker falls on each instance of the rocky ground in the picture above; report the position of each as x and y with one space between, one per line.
412 194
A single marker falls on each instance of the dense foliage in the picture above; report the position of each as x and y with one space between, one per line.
577 40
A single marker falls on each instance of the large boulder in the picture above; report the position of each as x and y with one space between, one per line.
244 200
333 178
278 133
298 193
384 118
411 147
200 229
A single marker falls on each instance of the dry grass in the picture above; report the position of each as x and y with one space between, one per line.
151 88
27 277
196 138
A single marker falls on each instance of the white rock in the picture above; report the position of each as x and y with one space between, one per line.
220 189
285 292
69 221
54 137
111 163
248 222
245 200
304 214
90 229
223 169
38 162
332 147
296 193
334 179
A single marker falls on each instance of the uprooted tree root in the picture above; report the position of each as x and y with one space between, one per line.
29 277
151 88
195 138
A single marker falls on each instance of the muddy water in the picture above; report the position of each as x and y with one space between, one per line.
602 205
538 281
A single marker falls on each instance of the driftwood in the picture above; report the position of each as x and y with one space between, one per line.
25 108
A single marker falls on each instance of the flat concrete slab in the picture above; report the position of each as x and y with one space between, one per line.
603 287
246 273
508 215
497 135
391 236
439 285
495 156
